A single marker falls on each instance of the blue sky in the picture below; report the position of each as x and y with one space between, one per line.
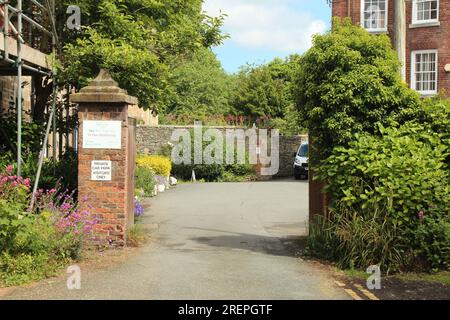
261 30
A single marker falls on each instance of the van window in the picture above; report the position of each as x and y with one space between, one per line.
303 151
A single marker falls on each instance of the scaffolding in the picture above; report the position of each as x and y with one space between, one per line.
14 16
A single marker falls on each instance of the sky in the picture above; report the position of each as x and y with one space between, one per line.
261 30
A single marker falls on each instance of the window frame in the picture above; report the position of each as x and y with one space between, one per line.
420 22
386 22
413 71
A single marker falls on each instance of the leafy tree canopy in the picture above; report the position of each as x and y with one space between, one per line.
265 90
139 41
199 87
347 83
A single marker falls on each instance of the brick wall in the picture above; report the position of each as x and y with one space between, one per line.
430 38
151 139
107 199
422 38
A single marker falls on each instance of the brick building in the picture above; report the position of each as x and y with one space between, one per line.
420 32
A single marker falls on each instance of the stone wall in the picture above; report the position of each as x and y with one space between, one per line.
151 139
288 147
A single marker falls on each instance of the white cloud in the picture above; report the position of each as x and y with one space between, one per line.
266 24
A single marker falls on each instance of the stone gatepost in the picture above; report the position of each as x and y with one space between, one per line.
105 163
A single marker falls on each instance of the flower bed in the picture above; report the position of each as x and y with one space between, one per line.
35 241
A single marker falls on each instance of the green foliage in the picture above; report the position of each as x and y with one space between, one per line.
31 246
265 90
64 173
402 170
32 135
136 236
433 242
356 240
346 83
34 242
391 195
383 153
214 172
24 268
145 180
15 225
138 41
200 88
434 115
289 125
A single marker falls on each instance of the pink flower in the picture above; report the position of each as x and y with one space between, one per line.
9 169
27 182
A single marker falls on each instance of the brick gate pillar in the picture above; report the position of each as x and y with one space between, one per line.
104 158
318 199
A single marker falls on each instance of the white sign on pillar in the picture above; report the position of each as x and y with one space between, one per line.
102 134
101 171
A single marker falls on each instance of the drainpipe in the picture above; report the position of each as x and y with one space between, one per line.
400 34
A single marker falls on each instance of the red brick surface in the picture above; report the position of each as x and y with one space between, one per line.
108 199
422 38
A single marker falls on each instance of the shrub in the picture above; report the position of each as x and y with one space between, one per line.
433 242
214 172
15 226
64 173
347 82
145 180
159 164
355 240
34 242
382 188
23 268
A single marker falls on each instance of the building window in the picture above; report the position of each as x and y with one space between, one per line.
425 11
424 66
374 15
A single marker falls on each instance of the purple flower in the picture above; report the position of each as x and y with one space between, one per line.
138 209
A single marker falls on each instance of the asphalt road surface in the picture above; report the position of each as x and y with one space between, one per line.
213 241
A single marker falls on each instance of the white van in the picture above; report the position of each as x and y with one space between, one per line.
301 168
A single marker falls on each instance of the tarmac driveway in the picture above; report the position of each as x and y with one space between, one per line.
212 241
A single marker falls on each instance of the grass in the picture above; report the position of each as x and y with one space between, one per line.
353 273
136 236
439 277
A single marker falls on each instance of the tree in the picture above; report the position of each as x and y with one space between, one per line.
347 83
138 41
200 87
265 90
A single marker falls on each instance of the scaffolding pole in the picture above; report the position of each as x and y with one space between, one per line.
5 10
19 88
